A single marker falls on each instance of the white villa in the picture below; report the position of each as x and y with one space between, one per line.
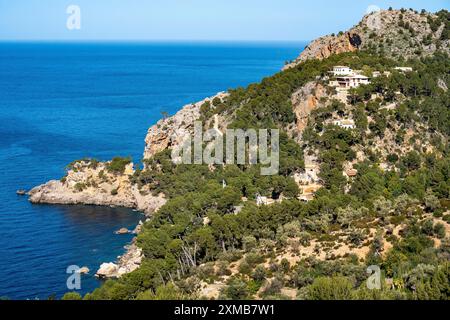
353 81
341 71
347 78
346 123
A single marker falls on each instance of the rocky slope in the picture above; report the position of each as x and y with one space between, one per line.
171 131
397 33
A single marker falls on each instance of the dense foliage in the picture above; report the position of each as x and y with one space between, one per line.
206 226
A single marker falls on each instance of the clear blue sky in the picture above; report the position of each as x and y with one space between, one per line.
189 19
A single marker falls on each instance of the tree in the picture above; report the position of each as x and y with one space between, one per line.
72 296
259 274
236 289
431 201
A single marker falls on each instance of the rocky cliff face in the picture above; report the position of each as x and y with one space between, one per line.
170 132
305 100
92 184
326 46
396 33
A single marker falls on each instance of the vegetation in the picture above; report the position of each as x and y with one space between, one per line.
118 164
392 213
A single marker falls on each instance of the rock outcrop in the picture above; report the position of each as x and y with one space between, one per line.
170 132
394 32
129 262
90 184
305 100
326 46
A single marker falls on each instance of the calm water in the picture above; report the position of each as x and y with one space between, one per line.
60 102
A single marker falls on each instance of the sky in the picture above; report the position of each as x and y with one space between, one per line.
223 20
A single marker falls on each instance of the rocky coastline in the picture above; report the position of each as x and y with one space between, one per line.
89 182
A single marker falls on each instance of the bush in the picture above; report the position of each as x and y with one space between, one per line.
71 296
245 268
236 290
118 164
439 230
249 243
259 274
273 287
80 186
427 227
335 288
285 265
222 269
253 258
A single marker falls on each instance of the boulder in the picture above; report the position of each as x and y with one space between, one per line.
107 270
83 270
122 231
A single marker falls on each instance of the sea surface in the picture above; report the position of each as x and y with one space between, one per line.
65 101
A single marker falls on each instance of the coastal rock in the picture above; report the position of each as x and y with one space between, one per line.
21 192
83 270
171 131
122 231
88 185
107 270
129 262
138 228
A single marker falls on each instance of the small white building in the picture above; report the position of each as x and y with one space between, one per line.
352 81
404 69
342 71
346 123
377 74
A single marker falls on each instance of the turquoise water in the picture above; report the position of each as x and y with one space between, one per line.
60 102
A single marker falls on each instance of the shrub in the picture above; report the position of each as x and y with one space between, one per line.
273 287
259 274
222 269
71 296
292 229
335 288
439 230
236 290
427 227
285 265
253 258
80 186
249 243
245 268
118 164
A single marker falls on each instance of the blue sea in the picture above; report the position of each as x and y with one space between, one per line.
65 101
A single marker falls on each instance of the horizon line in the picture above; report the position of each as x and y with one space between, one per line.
151 40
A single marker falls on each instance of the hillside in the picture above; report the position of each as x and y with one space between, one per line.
364 180
393 33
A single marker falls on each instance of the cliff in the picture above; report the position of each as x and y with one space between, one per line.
171 131
395 33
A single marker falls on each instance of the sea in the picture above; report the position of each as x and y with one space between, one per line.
62 101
